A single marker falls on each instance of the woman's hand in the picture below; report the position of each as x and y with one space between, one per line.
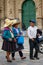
18 35
14 40
10 39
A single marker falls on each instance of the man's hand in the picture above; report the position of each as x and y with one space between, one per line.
32 39
38 34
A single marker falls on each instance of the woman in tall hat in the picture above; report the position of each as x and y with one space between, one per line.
17 34
8 39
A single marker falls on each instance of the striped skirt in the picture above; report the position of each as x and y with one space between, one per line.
11 46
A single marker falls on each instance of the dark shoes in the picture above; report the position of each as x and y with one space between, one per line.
13 58
8 60
32 58
23 58
37 58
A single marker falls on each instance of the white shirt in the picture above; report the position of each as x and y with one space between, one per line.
32 31
12 34
17 30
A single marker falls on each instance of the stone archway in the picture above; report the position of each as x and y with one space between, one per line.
28 13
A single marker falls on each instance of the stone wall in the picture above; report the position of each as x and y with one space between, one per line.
39 13
13 9
9 8
1 8
2 14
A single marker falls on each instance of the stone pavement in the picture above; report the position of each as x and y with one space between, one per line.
18 61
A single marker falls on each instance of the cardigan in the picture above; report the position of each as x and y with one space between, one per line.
15 32
6 33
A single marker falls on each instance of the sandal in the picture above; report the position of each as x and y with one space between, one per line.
6 57
8 60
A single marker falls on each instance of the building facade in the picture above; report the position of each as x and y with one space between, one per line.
23 10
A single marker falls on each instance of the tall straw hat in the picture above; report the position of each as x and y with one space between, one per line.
15 22
7 22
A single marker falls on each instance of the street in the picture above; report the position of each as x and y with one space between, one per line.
18 61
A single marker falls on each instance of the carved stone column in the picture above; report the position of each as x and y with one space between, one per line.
2 13
19 10
42 14
9 9
1 8
38 4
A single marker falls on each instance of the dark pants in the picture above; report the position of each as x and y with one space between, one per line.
20 53
33 44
